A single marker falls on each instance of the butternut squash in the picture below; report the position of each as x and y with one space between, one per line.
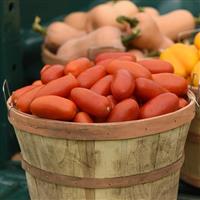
146 35
153 12
58 33
106 36
175 22
77 20
106 14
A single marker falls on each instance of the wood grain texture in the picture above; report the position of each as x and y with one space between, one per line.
101 131
164 189
102 183
191 168
138 148
104 159
190 172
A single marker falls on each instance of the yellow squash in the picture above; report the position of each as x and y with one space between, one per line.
195 75
183 57
197 40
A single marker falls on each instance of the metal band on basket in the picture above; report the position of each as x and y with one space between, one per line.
116 182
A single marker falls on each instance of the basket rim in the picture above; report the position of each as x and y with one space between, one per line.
104 131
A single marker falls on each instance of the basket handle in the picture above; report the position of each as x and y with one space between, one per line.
6 93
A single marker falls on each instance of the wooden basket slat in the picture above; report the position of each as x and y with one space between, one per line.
143 152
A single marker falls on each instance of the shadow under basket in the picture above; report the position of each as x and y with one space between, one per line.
190 172
106 161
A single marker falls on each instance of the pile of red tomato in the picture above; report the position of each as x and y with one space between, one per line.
114 87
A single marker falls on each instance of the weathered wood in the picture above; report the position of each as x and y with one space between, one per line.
190 172
164 189
50 58
101 131
191 168
102 183
103 159
140 154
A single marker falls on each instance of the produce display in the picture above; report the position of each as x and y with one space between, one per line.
185 58
105 75
114 24
114 87
116 80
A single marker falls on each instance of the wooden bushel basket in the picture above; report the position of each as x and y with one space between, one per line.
106 161
50 58
190 172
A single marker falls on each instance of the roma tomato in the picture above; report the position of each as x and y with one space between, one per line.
52 73
113 55
125 110
53 107
172 82
134 68
156 66
123 84
44 68
17 93
112 101
90 76
160 105
77 66
24 101
91 102
37 82
83 117
102 86
105 62
127 58
59 87
146 89
182 103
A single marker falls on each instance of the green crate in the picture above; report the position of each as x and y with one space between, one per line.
12 182
10 68
20 60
